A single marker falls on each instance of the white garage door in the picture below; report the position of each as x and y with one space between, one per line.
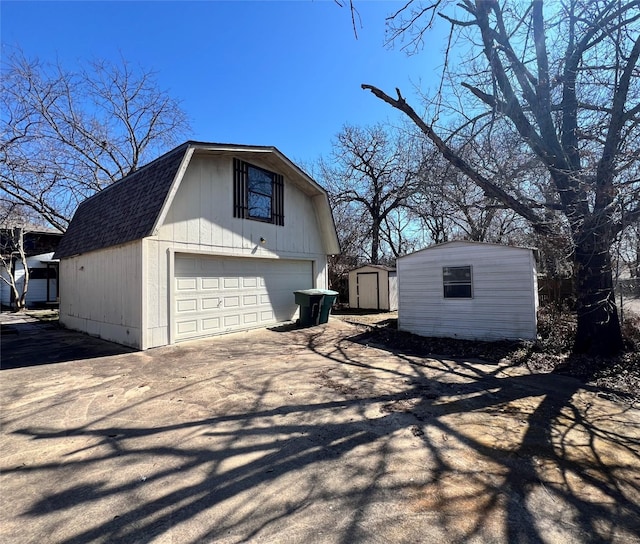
215 295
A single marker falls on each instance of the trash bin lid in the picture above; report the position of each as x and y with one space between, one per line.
316 292
329 292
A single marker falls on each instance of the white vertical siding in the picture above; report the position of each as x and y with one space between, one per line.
200 221
100 293
201 215
393 291
504 302
124 293
156 303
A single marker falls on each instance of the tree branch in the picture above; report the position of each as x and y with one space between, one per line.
448 153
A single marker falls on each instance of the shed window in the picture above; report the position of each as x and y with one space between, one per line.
457 281
257 193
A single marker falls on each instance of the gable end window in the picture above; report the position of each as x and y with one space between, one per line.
258 194
457 281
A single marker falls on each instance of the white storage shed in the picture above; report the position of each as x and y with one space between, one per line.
469 290
373 287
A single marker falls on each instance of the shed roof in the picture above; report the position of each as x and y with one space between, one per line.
466 242
378 266
135 206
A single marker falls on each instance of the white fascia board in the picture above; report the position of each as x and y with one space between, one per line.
302 173
266 150
466 243
173 190
326 224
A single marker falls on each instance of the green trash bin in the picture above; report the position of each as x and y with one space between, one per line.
315 305
327 304
310 302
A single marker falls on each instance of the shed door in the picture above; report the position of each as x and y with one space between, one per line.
368 290
216 295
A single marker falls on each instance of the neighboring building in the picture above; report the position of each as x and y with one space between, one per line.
205 240
39 245
373 287
469 290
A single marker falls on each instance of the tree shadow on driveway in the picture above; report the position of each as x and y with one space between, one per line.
41 343
545 449
336 442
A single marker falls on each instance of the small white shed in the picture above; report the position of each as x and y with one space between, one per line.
373 287
469 290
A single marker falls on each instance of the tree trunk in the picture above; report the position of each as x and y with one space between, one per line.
375 243
598 324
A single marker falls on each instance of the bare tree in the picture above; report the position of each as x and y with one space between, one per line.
369 179
14 219
628 251
450 206
565 76
67 134
12 250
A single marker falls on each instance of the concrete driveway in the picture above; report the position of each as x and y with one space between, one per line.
306 436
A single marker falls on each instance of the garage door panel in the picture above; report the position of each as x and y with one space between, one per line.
186 327
187 305
210 283
250 300
250 318
211 324
186 265
214 295
210 303
186 284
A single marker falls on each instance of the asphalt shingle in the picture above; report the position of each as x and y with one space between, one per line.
123 212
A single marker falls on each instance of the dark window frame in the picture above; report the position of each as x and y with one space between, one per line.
243 193
43 273
457 287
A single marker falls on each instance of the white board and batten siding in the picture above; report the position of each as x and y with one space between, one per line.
100 293
197 269
201 216
203 256
393 291
504 299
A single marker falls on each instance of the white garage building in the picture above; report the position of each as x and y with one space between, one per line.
205 240
469 290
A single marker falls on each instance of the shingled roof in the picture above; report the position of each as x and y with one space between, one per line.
125 211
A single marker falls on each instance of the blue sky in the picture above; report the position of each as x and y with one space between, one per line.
254 72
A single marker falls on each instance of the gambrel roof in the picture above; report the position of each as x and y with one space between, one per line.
134 207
